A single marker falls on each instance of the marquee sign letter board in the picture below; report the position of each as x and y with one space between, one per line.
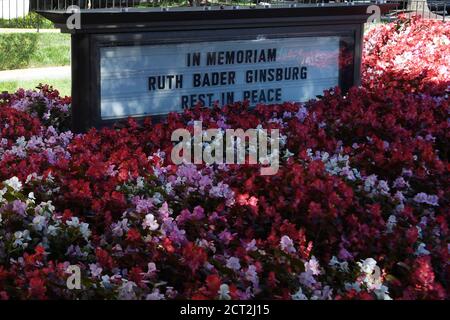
157 79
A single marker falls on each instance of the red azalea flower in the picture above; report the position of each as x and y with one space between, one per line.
133 235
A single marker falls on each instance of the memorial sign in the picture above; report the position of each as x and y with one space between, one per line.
151 62
154 80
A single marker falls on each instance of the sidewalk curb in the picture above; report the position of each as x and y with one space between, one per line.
18 30
35 74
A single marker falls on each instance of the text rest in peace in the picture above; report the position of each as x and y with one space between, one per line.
272 95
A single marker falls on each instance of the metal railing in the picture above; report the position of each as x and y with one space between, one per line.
17 13
434 9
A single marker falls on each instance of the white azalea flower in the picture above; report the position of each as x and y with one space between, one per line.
299 295
150 222
2 193
38 223
151 267
14 183
352 286
84 230
233 263
73 222
140 182
155 295
382 293
83 227
224 292
52 230
287 245
391 223
21 238
96 270
368 265
422 250
313 266
126 291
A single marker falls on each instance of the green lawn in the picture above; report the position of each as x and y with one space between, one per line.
62 85
33 50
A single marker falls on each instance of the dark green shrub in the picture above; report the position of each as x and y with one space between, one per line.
34 50
16 49
30 21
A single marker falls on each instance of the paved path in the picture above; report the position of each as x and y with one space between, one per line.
35 74
13 30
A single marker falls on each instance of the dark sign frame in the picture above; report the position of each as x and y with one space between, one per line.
104 28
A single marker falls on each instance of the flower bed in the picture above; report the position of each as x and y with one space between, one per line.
358 210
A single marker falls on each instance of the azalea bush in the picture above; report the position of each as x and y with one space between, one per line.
358 209
409 54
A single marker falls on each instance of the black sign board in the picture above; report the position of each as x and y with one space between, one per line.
149 62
